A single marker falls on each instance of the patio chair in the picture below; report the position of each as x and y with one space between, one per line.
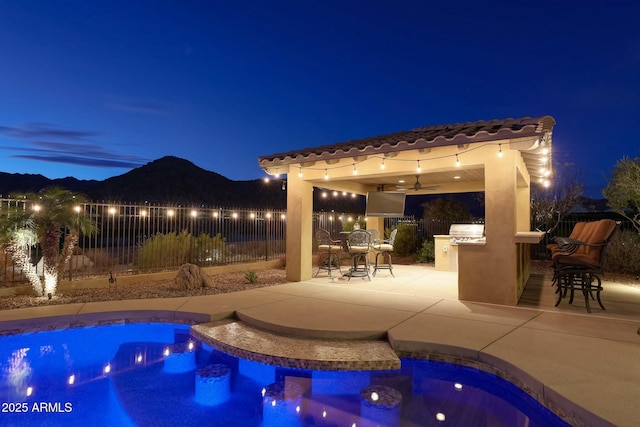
359 244
375 235
561 245
555 247
327 251
383 249
578 263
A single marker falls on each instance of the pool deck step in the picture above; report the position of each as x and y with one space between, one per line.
248 342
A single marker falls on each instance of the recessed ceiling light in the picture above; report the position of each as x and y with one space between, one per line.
401 181
456 177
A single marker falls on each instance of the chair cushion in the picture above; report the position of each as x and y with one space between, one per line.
332 248
585 260
359 249
601 233
383 247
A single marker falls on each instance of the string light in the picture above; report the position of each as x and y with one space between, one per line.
544 170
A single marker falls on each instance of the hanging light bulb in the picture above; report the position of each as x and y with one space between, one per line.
355 170
300 172
418 169
500 150
382 164
457 161
326 175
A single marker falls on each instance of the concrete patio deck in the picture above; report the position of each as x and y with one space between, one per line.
585 367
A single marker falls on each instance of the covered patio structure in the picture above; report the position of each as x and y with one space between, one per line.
500 157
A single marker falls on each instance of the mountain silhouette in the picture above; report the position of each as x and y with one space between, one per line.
174 181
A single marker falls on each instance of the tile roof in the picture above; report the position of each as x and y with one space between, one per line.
422 137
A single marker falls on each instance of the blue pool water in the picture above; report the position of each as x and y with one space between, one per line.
146 374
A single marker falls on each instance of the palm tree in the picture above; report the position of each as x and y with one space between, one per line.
51 218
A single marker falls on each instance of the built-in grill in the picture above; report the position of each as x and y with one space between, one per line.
466 233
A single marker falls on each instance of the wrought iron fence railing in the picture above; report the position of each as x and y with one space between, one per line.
142 238
133 239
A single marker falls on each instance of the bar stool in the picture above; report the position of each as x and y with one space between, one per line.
384 248
329 248
359 244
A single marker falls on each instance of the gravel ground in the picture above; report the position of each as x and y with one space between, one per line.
222 283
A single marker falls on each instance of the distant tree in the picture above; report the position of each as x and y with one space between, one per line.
623 190
551 205
47 218
446 209
439 214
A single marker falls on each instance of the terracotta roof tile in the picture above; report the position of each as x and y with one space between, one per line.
426 136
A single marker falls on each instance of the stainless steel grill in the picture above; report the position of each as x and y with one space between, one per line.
466 233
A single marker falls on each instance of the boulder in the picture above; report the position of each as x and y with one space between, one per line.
190 276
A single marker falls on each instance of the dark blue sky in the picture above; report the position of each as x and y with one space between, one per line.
92 89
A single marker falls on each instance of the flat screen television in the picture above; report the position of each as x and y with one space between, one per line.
385 203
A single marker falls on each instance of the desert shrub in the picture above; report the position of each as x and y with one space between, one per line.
173 249
406 242
210 250
623 253
101 259
348 225
427 252
251 276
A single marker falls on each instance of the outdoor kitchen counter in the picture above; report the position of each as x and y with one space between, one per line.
532 237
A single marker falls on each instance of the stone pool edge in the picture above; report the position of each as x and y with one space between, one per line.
566 409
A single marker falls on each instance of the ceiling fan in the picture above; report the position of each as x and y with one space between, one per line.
417 186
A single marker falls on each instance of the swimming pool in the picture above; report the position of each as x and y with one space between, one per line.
157 374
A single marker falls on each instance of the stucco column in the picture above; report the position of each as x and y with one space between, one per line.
299 228
487 273
376 223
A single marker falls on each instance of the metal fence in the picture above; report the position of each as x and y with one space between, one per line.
133 239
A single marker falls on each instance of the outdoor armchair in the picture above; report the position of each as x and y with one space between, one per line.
577 264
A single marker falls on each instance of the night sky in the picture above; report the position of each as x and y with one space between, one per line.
92 89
